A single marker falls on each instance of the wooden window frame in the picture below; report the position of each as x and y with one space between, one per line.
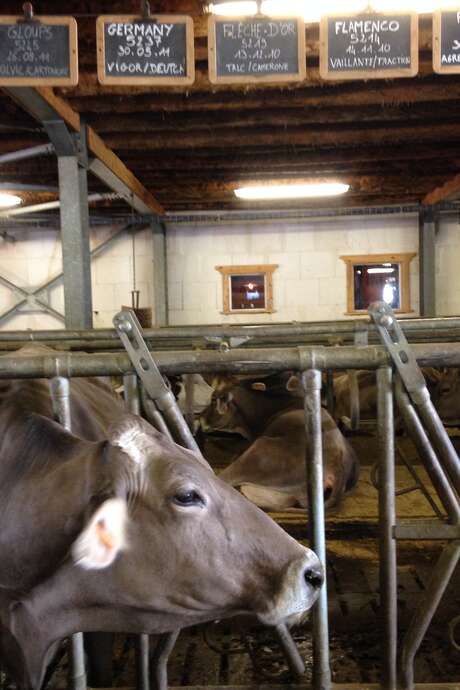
403 260
266 269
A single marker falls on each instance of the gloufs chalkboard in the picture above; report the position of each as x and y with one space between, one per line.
446 41
156 50
39 52
256 49
369 46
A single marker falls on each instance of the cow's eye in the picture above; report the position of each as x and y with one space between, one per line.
188 498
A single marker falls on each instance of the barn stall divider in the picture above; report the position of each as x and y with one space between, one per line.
312 361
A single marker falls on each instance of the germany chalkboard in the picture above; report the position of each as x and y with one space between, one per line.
446 41
369 46
40 52
256 49
156 50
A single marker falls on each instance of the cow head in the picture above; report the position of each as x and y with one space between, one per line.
177 540
223 414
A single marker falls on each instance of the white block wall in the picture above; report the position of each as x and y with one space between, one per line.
35 257
448 268
310 283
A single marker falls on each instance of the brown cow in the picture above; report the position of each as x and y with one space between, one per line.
133 534
271 472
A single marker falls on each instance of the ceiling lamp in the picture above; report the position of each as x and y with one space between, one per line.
233 9
289 190
9 200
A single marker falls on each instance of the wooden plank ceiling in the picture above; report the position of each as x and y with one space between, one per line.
393 141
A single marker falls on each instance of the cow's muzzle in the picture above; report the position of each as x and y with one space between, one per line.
300 585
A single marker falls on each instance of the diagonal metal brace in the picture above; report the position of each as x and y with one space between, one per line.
131 335
396 343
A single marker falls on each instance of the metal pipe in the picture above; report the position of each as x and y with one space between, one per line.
132 403
440 439
160 658
294 660
311 380
30 152
425 611
60 397
387 522
234 361
348 327
153 416
48 205
426 454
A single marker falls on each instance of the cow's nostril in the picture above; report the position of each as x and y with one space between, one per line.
313 577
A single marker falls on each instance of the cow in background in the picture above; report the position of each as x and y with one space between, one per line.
271 472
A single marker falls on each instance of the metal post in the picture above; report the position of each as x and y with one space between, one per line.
160 658
160 275
73 190
60 396
132 403
425 611
428 222
387 522
315 487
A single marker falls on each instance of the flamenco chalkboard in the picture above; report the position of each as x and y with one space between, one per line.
154 50
446 41
369 46
39 52
256 49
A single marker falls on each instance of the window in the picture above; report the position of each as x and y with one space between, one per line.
247 288
375 277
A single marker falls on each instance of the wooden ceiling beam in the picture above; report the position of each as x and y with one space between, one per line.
448 191
43 103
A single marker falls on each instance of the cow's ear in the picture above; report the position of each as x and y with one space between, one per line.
294 385
259 386
103 537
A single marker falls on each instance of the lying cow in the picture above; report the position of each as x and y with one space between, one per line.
271 472
133 533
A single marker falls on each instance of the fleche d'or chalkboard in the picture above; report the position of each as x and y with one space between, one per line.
256 49
446 41
155 50
38 52
369 46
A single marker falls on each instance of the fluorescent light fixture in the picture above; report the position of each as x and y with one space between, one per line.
285 8
291 191
380 270
9 200
233 9
419 6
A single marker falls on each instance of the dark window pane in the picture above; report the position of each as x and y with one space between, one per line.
376 282
247 291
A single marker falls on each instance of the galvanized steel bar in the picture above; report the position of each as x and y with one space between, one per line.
293 658
426 454
60 397
425 611
428 225
311 380
30 152
131 393
387 522
234 361
160 657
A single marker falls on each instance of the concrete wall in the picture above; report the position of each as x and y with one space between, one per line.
35 256
448 267
309 284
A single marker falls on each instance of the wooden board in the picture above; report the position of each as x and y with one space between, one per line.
247 50
158 50
40 52
446 41
369 46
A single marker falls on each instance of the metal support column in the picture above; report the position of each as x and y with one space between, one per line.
428 225
60 396
160 276
315 487
387 522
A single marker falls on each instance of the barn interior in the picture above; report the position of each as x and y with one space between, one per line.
127 200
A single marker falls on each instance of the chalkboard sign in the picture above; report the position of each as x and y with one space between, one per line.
369 46
446 41
256 49
39 52
157 50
